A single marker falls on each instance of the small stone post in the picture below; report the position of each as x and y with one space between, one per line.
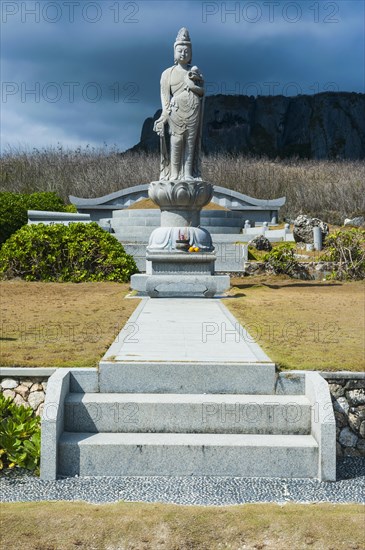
317 238
286 230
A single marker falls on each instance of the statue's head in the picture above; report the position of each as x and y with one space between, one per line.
182 47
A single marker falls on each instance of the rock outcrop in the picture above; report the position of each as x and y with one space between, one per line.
328 125
303 229
261 243
355 222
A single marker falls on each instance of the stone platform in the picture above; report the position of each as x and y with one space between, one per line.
185 391
182 274
165 286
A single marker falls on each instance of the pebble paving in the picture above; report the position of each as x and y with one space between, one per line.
19 486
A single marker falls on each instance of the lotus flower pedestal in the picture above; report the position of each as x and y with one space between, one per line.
180 254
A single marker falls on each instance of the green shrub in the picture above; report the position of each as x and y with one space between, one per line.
14 206
346 247
281 260
70 208
78 252
20 436
256 255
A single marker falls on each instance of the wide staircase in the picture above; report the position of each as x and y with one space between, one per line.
144 432
187 392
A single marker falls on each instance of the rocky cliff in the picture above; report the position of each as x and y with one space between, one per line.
327 125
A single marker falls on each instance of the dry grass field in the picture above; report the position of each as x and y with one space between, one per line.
316 325
133 526
331 190
60 324
300 324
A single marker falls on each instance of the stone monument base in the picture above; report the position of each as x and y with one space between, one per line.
175 262
178 273
180 285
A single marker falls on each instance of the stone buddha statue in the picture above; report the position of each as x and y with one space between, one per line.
180 192
182 97
180 255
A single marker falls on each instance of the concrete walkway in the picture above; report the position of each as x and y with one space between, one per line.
185 330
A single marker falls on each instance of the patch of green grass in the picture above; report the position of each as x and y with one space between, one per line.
256 255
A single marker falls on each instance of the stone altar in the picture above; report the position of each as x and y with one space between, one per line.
180 252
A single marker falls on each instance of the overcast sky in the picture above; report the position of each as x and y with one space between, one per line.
83 72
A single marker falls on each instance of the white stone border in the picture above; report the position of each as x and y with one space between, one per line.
26 371
341 375
323 424
53 422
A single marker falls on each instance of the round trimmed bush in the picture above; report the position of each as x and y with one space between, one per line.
78 252
14 206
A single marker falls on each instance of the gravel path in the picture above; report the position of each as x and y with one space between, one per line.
18 486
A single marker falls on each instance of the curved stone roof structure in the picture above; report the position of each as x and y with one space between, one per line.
233 200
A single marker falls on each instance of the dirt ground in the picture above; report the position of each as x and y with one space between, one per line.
139 526
301 325
60 324
317 325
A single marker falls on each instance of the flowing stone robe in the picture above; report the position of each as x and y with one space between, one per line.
185 110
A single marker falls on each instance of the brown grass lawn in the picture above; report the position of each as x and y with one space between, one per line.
60 324
317 325
127 526
301 325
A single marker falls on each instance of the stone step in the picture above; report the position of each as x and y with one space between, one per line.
155 213
187 413
141 233
206 221
146 454
125 375
127 221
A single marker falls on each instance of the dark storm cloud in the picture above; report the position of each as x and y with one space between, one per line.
80 82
